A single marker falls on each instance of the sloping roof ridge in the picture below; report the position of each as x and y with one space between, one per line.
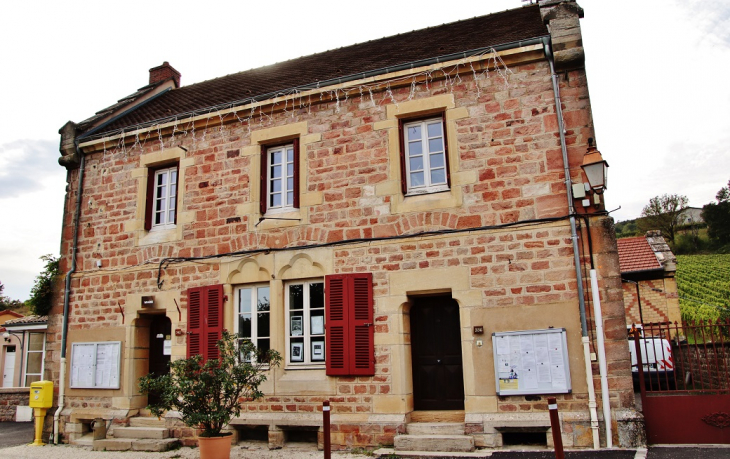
306 56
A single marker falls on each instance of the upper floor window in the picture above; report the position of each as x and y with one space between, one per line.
254 318
280 177
305 322
424 158
161 209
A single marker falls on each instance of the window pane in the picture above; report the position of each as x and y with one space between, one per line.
35 362
417 179
437 160
316 320
290 183
276 185
414 148
244 326
290 170
275 171
244 296
434 129
36 341
262 302
318 352
296 323
416 163
296 296
263 324
438 176
161 179
173 174
316 295
290 155
275 200
276 157
290 198
161 190
31 379
263 345
161 205
435 145
414 132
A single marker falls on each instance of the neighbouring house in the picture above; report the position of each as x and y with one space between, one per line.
648 269
394 217
23 362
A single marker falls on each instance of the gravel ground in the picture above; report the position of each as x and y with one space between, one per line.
237 452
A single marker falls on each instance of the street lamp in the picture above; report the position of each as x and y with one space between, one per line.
595 168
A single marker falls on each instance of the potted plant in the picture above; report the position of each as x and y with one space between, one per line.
208 394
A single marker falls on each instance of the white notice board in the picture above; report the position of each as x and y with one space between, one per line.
531 362
95 365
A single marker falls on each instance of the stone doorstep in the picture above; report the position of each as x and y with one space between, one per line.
435 428
127 444
390 452
146 422
440 443
157 433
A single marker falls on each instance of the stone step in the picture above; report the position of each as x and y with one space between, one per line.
441 443
129 444
435 428
147 422
156 433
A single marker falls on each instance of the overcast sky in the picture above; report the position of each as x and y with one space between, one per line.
657 75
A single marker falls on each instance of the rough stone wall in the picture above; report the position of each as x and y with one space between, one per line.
10 399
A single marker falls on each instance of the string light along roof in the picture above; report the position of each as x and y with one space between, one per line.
635 254
509 26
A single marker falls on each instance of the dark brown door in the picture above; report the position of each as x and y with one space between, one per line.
160 330
438 381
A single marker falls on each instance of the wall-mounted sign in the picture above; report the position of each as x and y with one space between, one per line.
95 365
531 362
148 301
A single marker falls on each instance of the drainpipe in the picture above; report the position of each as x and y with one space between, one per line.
576 250
603 369
66 297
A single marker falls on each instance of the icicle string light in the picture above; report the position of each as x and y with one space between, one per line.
185 128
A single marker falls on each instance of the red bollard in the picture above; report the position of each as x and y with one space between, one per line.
326 428
555 424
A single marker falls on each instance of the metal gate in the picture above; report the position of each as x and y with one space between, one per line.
685 382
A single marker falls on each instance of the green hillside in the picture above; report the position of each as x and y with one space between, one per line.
703 282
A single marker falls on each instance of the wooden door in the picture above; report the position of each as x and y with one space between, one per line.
438 381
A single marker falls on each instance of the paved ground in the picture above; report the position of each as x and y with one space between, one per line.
15 436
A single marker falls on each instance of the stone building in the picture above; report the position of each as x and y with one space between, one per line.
392 208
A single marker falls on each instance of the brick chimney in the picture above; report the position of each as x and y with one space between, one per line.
163 73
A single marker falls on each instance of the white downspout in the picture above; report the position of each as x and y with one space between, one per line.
602 359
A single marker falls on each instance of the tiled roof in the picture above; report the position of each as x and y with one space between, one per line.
471 34
635 254
27 320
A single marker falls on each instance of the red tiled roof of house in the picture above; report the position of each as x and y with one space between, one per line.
635 254
509 26
27 320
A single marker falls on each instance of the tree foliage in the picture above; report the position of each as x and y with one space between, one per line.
7 303
208 395
41 295
664 213
717 216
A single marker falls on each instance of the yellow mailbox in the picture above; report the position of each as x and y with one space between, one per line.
41 398
41 394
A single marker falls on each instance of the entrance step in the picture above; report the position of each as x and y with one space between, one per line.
129 444
157 433
435 428
147 422
440 443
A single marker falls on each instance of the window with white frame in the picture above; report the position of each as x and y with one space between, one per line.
164 202
280 177
34 357
254 317
305 323
425 156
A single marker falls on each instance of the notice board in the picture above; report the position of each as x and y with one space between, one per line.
95 365
531 362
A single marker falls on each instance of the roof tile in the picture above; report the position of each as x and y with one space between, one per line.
635 254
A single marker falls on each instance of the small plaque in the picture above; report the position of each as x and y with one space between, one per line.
478 330
148 301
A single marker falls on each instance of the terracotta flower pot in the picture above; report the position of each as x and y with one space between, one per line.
215 447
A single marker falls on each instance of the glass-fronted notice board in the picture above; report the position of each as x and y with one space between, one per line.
95 365
531 362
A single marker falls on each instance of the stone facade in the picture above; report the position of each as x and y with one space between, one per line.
498 242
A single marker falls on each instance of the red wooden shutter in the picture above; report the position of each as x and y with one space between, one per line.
350 333
362 329
214 319
150 198
264 175
296 173
446 150
336 309
403 172
195 323
205 321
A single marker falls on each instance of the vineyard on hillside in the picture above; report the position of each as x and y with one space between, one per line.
703 282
